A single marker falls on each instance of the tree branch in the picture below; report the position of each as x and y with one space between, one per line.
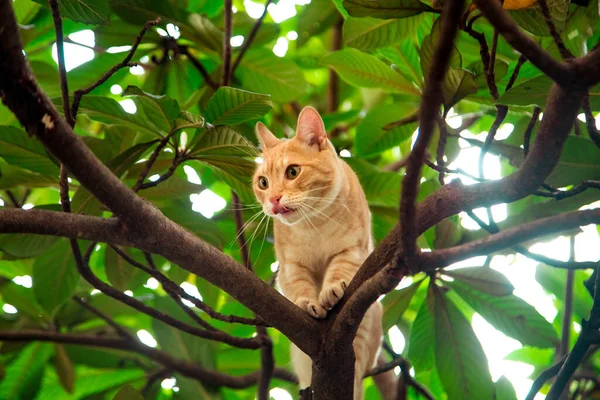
510 237
226 74
428 114
60 52
195 371
499 18
125 63
547 374
250 38
118 328
564 53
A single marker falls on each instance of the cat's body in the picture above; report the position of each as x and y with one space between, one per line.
322 230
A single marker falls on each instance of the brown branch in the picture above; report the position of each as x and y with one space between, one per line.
582 187
198 65
515 74
405 367
60 51
196 371
441 148
542 378
146 226
590 121
118 328
506 26
125 63
565 337
250 38
590 335
510 237
564 52
333 86
148 165
447 170
430 105
226 74
414 117
535 116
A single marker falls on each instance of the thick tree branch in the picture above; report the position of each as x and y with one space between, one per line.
195 371
499 18
143 221
428 114
510 237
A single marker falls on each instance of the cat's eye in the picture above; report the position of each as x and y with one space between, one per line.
292 172
263 182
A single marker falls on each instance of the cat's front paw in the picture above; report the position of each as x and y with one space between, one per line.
312 307
332 294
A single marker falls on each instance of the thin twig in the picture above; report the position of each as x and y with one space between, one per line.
250 38
583 186
118 328
198 65
62 71
125 63
565 338
414 117
441 148
148 165
564 52
226 43
542 378
535 116
590 121
333 87
515 73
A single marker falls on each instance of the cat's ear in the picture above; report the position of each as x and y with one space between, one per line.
265 137
311 129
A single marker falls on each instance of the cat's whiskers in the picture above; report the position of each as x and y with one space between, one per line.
327 217
307 219
244 227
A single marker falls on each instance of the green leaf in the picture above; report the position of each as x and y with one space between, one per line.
316 18
364 70
108 111
458 84
84 202
64 368
459 357
385 8
511 315
181 212
262 71
483 279
532 92
223 141
381 188
195 26
420 349
428 48
86 11
119 272
55 276
230 106
128 393
368 34
405 58
396 302
532 18
505 389
26 245
24 374
371 139
553 280
23 299
17 148
159 110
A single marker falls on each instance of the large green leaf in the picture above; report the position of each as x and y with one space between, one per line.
371 139
24 375
511 315
405 58
316 18
23 299
64 367
161 111
460 360
223 141
368 34
119 272
55 276
17 148
505 389
195 26
26 245
385 8
364 70
553 280
381 188
420 349
230 106
86 11
483 279
396 302
262 71
532 18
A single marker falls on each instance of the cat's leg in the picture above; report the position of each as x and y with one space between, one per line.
339 273
302 366
366 346
300 287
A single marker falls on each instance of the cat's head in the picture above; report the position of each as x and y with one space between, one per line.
299 177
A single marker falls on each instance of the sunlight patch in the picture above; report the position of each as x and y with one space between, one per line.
129 106
280 394
146 338
192 175
397 339
207 203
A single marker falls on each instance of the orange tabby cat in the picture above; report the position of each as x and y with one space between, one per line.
322 230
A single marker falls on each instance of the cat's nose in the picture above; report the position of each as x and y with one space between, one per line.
275 200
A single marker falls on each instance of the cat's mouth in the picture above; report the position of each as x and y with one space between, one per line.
279 209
